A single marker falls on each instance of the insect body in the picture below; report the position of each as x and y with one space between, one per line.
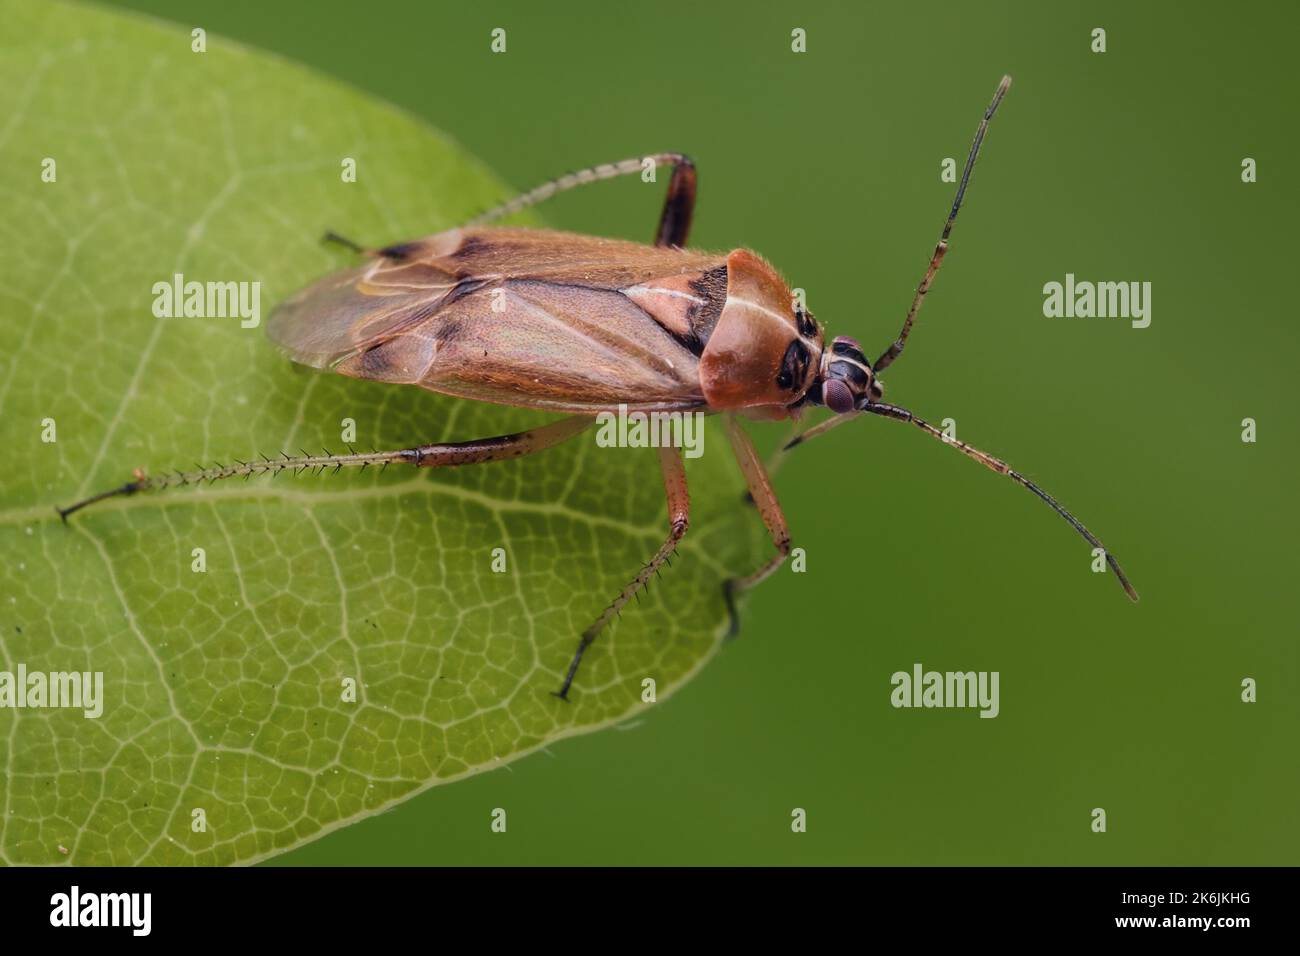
584 325
559 321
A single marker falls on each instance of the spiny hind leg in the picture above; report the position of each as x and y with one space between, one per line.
679 204
674 219
679 514
446 454
764 498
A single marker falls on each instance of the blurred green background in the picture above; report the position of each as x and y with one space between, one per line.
1117 166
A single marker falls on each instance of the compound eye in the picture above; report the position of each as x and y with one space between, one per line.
837 396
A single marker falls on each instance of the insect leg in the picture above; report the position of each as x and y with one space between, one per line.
398 251
345 242
679 513
760 489
442 455
887 357
820 428
674 222
775 460
679 206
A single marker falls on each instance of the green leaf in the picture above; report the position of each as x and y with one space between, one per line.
223 689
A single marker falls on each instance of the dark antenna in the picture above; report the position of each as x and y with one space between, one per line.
1002 468
891 353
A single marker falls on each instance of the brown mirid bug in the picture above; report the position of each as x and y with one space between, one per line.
583 325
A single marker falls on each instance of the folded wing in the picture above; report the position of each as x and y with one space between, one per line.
516 316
